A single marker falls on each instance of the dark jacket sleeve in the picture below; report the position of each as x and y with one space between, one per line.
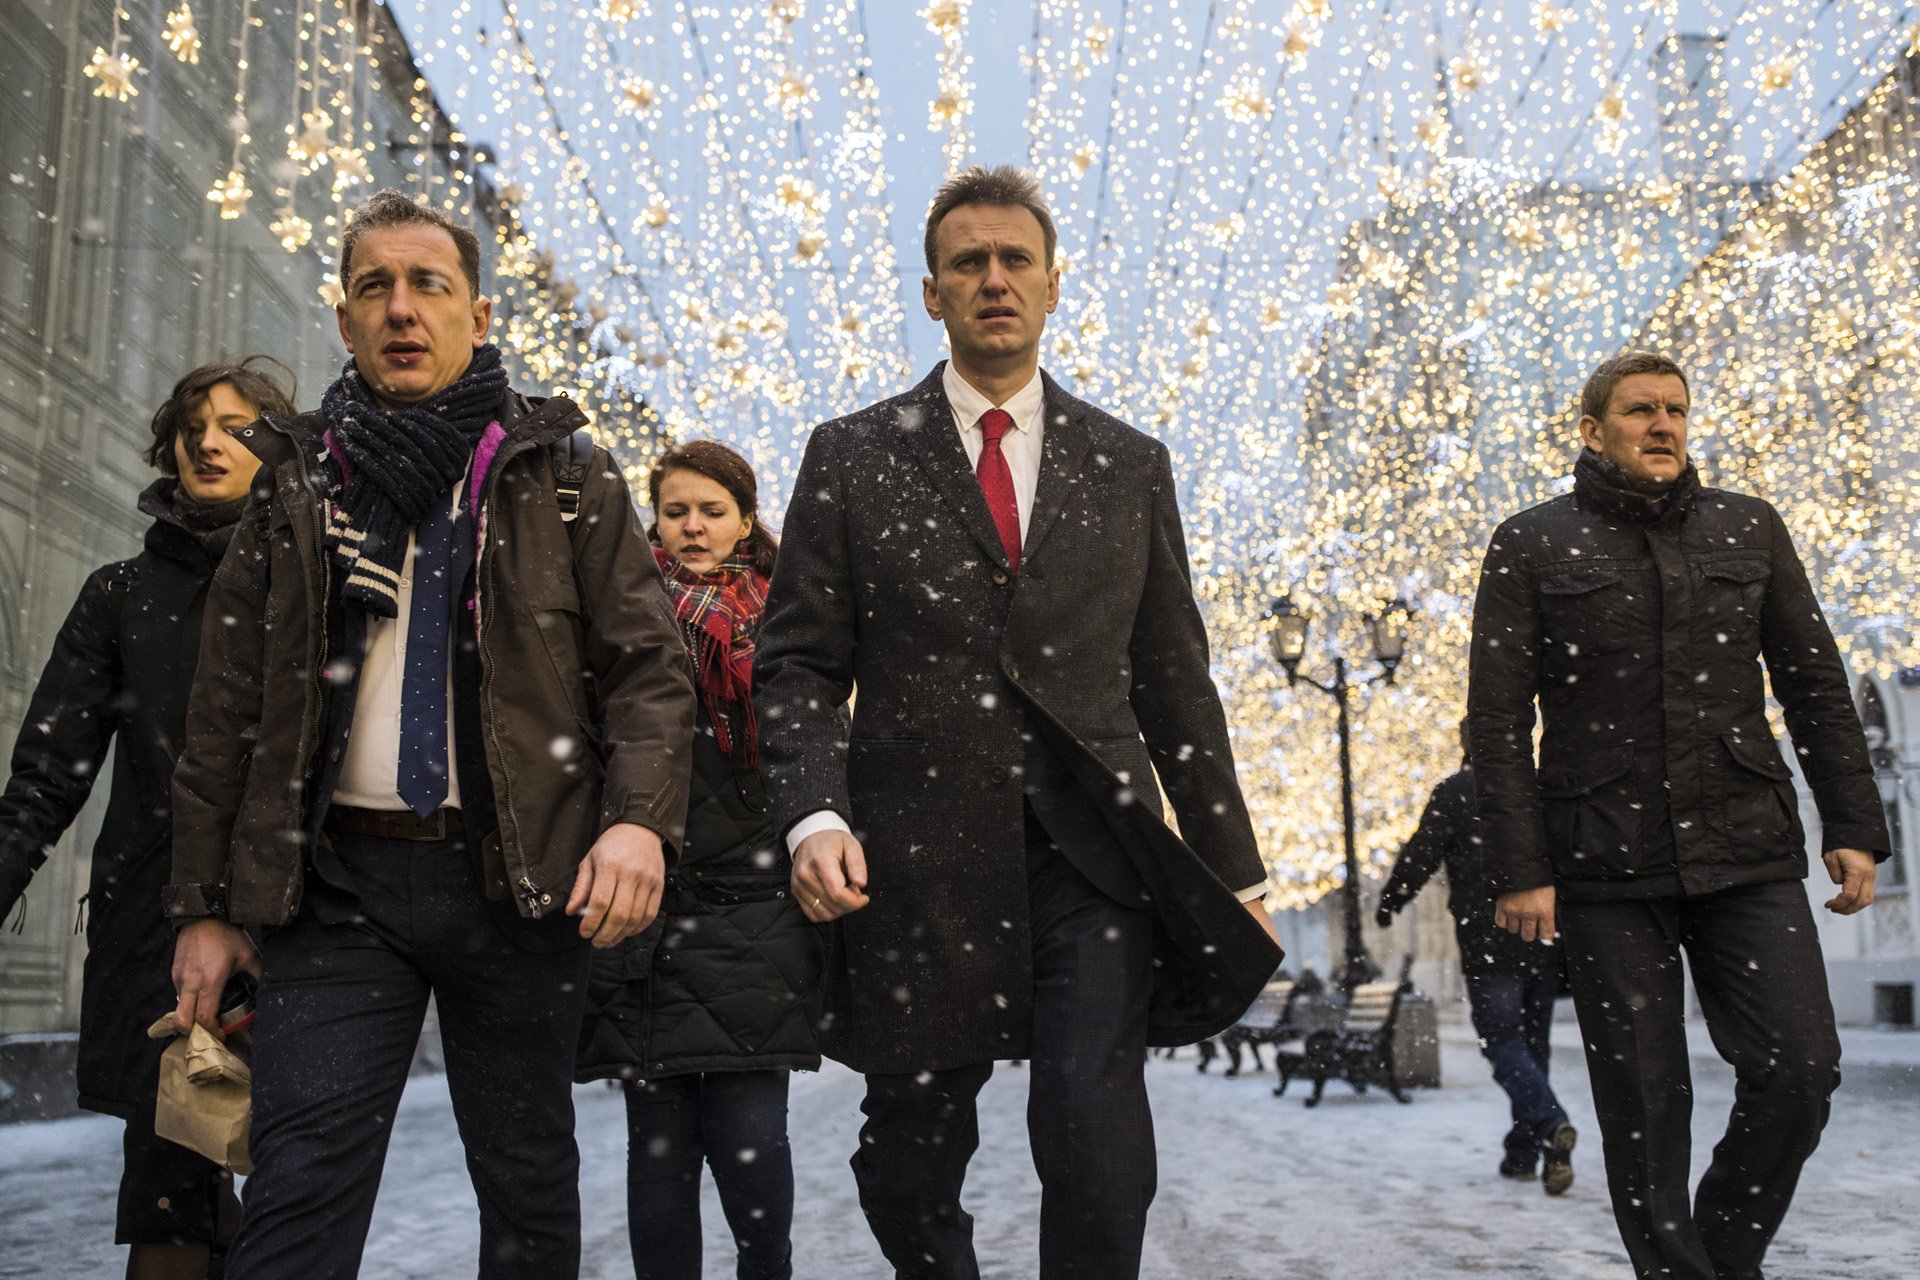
1503 679
63 742
639 661
1178 707
223 724
1426 849
1810 681
803 667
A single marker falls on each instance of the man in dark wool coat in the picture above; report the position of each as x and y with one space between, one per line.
999 569
1661 818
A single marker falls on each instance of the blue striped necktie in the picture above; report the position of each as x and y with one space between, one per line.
422 773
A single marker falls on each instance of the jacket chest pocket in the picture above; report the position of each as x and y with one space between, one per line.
1595 611
1731 594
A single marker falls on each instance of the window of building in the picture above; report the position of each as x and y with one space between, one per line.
160 277
29 134
1886 776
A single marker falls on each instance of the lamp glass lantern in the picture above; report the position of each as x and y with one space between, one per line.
1388 629
1287 635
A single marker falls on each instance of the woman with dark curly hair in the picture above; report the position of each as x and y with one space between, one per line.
122 667
705 1013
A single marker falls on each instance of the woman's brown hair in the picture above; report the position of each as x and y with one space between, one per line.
257 387
731 472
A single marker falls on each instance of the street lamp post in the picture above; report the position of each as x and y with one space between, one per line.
1388 630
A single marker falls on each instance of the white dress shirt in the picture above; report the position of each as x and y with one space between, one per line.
1022 448
370 770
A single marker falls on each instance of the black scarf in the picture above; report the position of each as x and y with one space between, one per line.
210 524
1601 486
398 463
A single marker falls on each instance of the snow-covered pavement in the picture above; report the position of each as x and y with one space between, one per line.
1251 1187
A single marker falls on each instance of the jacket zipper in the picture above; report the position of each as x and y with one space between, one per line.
316 650
537 900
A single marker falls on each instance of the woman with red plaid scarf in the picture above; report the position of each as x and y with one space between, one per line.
704 1014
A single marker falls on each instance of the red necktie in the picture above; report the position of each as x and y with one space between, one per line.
996 481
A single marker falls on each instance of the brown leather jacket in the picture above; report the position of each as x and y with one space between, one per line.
560 604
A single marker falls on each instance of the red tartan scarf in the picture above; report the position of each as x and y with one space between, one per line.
719 615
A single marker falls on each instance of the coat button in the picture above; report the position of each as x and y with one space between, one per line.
1013 671
333 753
998 774
1000 578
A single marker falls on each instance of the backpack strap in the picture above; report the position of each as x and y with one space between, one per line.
571 458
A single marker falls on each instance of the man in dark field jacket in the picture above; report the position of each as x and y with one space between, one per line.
450 718
1661 817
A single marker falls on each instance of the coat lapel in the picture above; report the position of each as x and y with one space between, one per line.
937 445
1064 440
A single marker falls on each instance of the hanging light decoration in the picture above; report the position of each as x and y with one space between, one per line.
112 68
1350 262
182 36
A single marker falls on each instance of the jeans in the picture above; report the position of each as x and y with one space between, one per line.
1512 1012
734 1121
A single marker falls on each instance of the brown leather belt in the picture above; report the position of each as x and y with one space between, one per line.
394 824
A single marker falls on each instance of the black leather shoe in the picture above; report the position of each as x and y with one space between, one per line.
1556 1175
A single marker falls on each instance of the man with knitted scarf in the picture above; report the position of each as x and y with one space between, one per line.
451 749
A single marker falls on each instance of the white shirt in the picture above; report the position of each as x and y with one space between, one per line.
1022 449
370 771
1020 446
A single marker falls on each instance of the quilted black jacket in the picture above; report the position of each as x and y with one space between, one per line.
727 979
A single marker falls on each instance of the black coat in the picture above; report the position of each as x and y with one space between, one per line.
1445 838
121 667
1641 631
892 578
728 977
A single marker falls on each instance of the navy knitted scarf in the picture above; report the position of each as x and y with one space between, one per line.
398 463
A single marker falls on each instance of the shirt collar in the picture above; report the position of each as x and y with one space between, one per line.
969 404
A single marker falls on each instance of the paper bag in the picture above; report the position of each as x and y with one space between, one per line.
206 1096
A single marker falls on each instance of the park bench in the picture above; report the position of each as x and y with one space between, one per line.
1359 1050
1269 1020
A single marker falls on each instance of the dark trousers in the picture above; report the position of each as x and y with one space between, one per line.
1087 1115
1757 970
735 1121
1512 1015
168 1194
341 1007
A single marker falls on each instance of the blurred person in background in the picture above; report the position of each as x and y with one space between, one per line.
1511 983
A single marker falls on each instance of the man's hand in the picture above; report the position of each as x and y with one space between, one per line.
1853 870
617 893
1258 910
206 954
829 875
1528 913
